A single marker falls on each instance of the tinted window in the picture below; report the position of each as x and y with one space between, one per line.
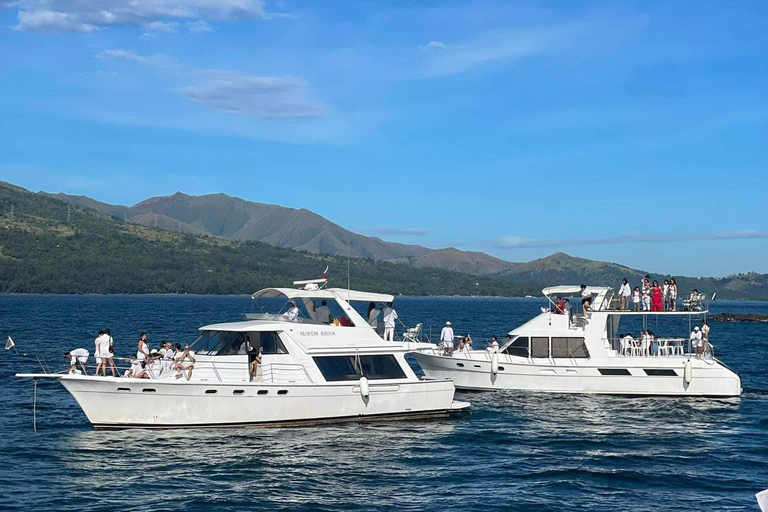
519 347
569 348
269 341
335 368
219 343
539 347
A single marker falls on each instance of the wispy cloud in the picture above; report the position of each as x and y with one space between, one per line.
232 92
516 242
90 15
444 59
396 230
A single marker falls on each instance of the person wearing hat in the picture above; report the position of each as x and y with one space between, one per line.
697 341
293 312
446 339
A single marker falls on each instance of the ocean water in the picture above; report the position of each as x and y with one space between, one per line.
512 452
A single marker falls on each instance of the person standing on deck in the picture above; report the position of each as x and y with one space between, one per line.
665 294
446 339
373 315
586 299
390 315
647 293
323 313
102 353
673 293
656 297
142 351
110 359
624 293
493 346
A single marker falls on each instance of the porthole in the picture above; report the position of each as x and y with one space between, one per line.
238 392
460 365
501 368
149 390
262 392
282 392
210 391
124 390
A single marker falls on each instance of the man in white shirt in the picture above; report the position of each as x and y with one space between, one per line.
446 339
390 315
102 352
696 341
78 356
323 313
292 314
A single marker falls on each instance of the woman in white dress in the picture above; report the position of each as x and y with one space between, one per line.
673 293
665 294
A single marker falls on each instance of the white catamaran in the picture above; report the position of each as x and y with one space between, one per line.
585 353
310 372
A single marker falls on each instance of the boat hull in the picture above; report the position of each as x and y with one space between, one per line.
116 403
593 376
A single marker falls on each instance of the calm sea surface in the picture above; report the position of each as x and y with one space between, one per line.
513 452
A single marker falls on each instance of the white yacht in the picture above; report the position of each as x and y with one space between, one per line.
310 372
585 353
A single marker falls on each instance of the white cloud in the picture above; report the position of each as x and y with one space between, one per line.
162 26
516 242
232 92
434 44
89 15
198 27
123 55
51 21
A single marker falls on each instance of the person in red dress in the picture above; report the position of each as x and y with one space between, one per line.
656 297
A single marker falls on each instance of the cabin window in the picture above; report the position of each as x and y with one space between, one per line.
335 368
519 347
613 371
219 343
269 341
569 348
228 343
653 372
539 347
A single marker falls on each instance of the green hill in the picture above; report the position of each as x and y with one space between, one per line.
48 246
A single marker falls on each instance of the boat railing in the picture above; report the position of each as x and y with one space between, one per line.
685 302
658 347
268 372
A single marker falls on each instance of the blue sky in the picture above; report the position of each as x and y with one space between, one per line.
632 132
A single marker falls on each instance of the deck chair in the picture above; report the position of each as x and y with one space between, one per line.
412 333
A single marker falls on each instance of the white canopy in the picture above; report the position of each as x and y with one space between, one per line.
330 293
572 289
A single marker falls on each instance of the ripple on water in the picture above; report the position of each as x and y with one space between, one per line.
515 451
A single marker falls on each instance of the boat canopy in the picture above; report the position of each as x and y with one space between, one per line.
328 293
572 289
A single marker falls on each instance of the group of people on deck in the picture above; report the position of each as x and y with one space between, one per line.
650 296
146 364
648 344
447 342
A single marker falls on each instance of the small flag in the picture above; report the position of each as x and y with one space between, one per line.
9 344
325 273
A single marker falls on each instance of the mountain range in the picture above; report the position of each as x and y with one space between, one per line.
229 218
